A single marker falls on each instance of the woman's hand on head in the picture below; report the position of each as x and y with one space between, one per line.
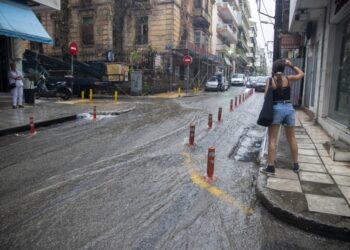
289 63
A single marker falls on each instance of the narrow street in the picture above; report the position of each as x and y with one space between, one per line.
131 182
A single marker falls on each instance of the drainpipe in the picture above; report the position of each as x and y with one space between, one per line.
322 63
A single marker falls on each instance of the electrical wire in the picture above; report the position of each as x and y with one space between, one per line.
271 20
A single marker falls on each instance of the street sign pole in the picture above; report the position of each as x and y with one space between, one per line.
188 77
72 66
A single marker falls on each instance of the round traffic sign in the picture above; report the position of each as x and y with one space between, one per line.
187 59
73 48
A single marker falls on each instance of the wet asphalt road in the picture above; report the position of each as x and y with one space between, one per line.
130 182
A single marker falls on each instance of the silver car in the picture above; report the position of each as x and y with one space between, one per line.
212 84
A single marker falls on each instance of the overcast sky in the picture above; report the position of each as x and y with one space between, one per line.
265 31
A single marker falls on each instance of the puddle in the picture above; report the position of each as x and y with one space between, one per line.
248 146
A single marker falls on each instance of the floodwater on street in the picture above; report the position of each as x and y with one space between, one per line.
131 182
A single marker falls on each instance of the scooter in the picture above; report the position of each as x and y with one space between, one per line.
57 89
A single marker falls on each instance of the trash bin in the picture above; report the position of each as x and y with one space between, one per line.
136 83
28 91
29 96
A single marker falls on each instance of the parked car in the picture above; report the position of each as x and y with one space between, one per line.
251 82
237 79
261 83
212 84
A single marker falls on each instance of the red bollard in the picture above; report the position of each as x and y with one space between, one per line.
219 114
191 138
236 101
210 164
210 121
231 105
94 114
31 124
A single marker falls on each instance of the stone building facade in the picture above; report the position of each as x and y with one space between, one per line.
169 28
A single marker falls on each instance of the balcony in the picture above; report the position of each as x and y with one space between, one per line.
250 45
226 12
222 48
201 19
227 33
250 55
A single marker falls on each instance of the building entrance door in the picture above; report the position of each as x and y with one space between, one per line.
5 50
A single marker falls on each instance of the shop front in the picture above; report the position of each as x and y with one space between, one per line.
19 23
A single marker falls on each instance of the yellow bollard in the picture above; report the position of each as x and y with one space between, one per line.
179 91
116 96
194 90
82 95
91 97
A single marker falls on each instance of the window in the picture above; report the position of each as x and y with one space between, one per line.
87 31
341 109
198 3
142 30
197 38
86 3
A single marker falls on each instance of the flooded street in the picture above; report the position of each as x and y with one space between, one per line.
130 181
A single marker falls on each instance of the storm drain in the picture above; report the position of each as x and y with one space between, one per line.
248 146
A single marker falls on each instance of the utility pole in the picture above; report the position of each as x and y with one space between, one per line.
278 28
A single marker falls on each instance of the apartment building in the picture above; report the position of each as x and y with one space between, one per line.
160 32
252 45
260 62
18 25
243 37
225 32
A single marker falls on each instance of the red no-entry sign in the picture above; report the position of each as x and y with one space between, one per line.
187 60
73 48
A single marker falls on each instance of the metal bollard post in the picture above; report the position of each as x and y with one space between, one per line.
91 95
94 114
219 114
192 132
236 101
231 105
210 121
31 124
179 92
210 164
116 96
82 95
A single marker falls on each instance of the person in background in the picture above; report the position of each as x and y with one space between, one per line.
283 112
16 85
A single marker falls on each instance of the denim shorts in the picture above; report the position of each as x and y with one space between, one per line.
284 114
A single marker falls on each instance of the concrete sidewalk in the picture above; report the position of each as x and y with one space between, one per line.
49 111
318 198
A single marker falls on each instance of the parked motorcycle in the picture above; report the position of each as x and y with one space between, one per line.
56 89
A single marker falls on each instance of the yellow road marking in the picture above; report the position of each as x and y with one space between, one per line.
215 191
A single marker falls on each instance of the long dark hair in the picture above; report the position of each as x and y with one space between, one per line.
278 70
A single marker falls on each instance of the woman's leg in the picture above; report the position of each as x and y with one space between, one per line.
14 96
273 131
292 143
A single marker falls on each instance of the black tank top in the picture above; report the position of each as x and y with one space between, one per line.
282 94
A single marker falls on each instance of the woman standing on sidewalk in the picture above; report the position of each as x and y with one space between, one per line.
283 112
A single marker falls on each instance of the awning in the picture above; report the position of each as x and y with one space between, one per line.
19 21
227 61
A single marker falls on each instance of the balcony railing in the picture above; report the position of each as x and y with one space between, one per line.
222 47
201 18
226 32
227 12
